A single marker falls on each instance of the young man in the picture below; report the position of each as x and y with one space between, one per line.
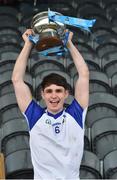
56 133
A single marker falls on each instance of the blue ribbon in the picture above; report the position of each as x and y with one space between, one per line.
34 38
58 50
72 21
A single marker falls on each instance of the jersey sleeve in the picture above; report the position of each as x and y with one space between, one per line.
77 112
33 113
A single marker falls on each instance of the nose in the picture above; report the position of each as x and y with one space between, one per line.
53 95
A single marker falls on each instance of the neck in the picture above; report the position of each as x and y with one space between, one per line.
54 112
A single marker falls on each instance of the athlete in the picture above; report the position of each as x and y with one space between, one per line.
56 133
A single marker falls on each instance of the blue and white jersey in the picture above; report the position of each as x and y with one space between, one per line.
56 141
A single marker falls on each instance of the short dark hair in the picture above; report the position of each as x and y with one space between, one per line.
54 79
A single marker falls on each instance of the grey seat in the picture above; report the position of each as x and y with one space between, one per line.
90 166
109 64
84 47
94 3
106 48
6 83
86 9
9 47
103 35
7 101
114 84
6 66
8 56
111 9
87 140
9 10
101 22
98 82
101 105
8 21
42 65
63 7
10 114
13 126
91 60
18 165
110 165
80 36
10 34
104 136
107 3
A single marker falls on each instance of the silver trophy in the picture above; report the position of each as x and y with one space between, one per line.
51 34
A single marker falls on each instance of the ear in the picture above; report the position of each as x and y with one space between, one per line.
66 93
42 94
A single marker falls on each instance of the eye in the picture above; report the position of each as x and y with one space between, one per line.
59 90
48 91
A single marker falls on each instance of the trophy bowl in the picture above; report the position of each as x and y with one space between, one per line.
50 33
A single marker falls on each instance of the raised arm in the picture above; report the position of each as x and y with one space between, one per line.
22 91
82 83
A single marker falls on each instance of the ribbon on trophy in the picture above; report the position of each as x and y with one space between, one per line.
83 24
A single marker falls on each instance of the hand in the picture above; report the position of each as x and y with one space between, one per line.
26 34
70 36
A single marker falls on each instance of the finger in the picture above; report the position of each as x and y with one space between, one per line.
28 32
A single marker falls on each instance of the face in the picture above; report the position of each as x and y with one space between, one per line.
54 97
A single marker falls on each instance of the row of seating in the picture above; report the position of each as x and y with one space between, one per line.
99 81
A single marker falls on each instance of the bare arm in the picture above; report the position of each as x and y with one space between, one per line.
82 84
22 91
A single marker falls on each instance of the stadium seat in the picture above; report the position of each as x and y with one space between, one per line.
87 140
9 47
94 3
106 48
103 35
6 66
42 64
109 66
18 165
107 3
10 114
114 84
13 126
7 101
10 35
104 136
101 105
89 8
110 165
92 60
6 83
98 82
80 36
101 22
8 21
90 166
9 10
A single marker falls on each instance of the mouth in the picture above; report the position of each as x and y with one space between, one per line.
54 102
